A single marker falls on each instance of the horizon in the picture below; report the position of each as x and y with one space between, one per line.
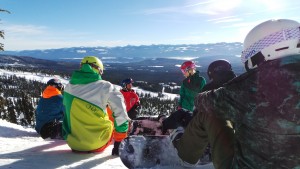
69 47
37 25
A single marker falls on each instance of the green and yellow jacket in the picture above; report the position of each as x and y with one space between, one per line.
86 124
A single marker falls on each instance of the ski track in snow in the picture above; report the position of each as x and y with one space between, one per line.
22 148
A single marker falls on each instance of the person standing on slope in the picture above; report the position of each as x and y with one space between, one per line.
132 100
50 111
191 85
86 125
262 103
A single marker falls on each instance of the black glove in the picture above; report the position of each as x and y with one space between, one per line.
115 150
178 118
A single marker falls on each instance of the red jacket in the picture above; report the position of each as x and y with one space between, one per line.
131 98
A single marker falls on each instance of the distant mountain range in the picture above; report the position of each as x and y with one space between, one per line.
142 62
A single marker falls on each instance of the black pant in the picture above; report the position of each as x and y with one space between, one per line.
52 130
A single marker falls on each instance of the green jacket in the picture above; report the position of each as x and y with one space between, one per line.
190 87
86 124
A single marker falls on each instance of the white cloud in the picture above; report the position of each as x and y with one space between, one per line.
17 30
211 7
217 7
162 10
229 20
30 37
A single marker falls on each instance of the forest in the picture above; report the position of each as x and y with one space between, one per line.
19 98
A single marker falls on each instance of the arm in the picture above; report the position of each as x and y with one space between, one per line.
217 101
181 93
116 102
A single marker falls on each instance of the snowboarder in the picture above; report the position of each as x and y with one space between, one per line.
50 111
262 103
132 100
219 72
191 85
86 125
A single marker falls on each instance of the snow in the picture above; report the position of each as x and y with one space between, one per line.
22 148
32 76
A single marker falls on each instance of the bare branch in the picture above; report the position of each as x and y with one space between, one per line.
1 47
2 34
3 10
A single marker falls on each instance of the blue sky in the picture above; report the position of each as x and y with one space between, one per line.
48 24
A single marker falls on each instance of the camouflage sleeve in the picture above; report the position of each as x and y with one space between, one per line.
216 101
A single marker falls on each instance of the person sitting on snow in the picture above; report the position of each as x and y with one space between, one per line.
191 85
87 126
219 72
50 111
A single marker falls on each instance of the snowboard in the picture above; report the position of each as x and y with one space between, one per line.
147 151
146 126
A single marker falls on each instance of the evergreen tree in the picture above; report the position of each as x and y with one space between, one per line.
25 104
11 114
3 112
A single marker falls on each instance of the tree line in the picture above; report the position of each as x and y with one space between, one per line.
19 98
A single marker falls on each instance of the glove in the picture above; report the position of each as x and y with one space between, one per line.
115 150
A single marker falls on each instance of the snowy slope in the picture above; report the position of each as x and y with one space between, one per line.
22 148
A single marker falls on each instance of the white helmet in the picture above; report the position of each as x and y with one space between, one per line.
271 40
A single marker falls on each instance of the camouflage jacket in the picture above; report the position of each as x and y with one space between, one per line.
264 106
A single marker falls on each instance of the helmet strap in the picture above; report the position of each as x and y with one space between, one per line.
100 71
